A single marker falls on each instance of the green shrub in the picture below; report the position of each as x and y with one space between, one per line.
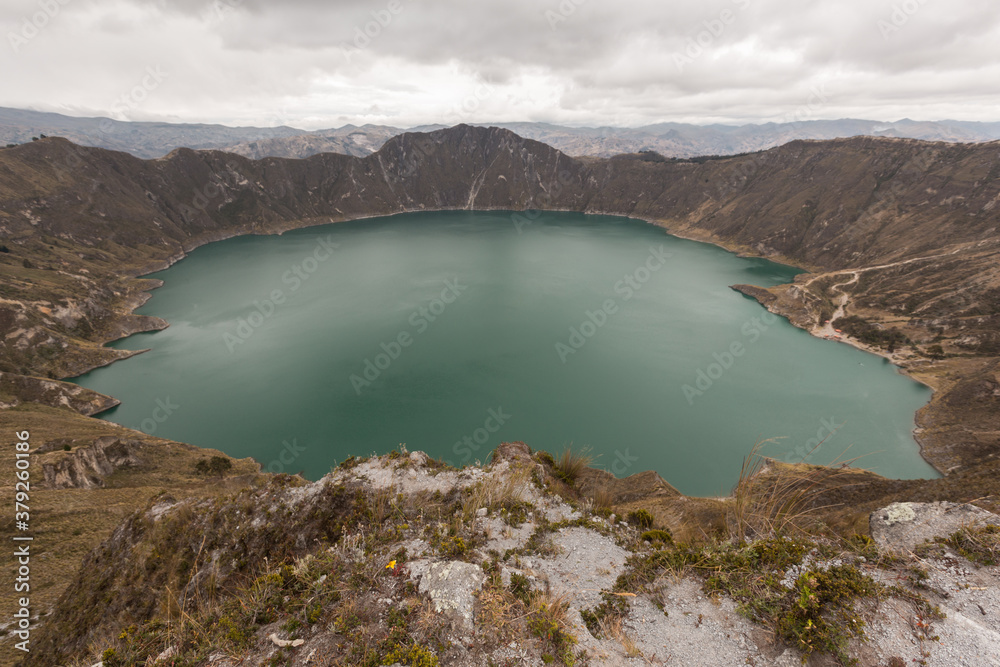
216 466
870 334
822 618
640 519
657 537
612 606
520 587
980 545
454 547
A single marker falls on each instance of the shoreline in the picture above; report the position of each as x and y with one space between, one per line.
664 225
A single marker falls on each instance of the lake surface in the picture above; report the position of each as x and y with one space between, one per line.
454 331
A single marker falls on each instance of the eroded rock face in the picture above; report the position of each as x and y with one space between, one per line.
904 526
320 530
512 451
644 485
451 586
87 467
53 393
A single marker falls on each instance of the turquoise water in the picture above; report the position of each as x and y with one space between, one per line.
454 331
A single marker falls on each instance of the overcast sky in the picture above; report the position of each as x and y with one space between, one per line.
323 63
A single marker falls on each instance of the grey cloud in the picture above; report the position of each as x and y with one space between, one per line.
603 62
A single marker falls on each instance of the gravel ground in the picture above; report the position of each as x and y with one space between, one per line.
969 636
694 629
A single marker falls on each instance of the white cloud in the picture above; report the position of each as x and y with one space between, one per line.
630 62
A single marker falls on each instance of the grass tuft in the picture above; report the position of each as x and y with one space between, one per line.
603 500
501 492
571 463
776 499
980 545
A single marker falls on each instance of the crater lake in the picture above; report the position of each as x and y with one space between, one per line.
454 331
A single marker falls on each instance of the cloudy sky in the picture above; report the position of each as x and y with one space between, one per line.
323 63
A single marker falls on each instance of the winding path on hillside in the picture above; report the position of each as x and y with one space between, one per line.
841 297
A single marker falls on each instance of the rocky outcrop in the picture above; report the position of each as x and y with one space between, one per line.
404 561
754 292
902 527
647 485
86 467
17 389
451 587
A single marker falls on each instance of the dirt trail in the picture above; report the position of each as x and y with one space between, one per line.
826 328
843 299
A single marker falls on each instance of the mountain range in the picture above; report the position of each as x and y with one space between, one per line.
915 222
155 139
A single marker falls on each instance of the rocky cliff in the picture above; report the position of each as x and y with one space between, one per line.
401 560
900 235
19 389
86 467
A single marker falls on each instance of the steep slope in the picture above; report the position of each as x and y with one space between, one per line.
839 204
916 222
400 560
899 234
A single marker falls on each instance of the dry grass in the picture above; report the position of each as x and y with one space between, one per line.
603 499
771 498
68 523
497 491
978 543
499 616
571 463
553 606
611 626
382 503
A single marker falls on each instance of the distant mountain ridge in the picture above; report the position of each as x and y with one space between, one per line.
153 139
686 140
